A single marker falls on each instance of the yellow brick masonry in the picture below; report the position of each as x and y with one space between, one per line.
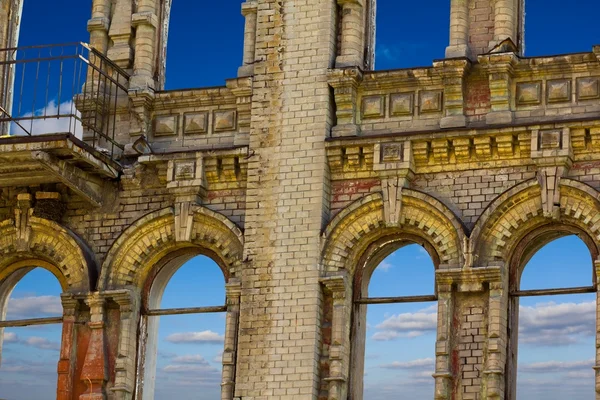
285 206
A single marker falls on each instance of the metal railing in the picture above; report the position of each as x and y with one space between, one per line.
63 88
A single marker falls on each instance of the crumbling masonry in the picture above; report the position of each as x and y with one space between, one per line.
297 178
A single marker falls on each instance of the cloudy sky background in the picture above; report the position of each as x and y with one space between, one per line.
556 333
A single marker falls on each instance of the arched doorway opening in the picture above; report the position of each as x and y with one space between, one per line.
30 334
185 319
552 317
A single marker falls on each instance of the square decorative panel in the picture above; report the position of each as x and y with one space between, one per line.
588 88
184 171
550 139
392 152
559 91
430 101
529 93
401 104
373 107
166 125
195 123
225 120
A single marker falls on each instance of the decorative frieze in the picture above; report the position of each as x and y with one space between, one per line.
430 101
224 120
462 148
166 125
195 123
588 88
558 91
529 93
373 107
402 104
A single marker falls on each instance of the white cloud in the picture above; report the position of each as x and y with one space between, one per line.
41 343
384 266
407 325
51 125
556 366
10 337
190 359
421 363
32 341
552 324
34 306
189 368
209 337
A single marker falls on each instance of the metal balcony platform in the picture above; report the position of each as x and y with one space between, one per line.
56 158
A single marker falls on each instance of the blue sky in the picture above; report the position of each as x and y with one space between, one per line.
205 49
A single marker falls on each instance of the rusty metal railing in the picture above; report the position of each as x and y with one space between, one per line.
63 88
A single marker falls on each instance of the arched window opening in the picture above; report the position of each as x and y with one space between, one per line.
577 32
202 50
552 322
186 329
30 334
400 304
402 41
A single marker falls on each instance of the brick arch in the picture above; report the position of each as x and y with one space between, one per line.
132 257
362 223
518 211
49 246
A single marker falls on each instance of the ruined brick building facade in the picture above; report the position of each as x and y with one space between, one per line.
298 177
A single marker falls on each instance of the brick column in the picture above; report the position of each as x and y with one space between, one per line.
505 24
125 364
98 25
287 178
249 11
494 372
443 368
352 28
233 292
597 364
500 69
120 34
471 345
453 75
459 29
68 348
145 21
93 373
339 350
345 83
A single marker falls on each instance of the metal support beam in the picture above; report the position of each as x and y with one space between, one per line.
551 292
392 300
180 311
29 322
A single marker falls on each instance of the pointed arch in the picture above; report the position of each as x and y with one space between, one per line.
51 246
153 237
362 223
518 212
